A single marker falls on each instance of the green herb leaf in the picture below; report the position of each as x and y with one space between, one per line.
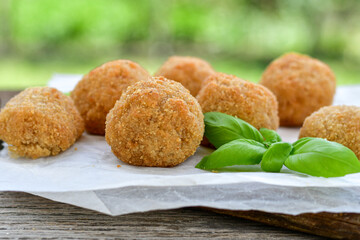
221 128
274 158
270 136
322 158
237 152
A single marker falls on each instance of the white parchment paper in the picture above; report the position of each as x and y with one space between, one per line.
90 176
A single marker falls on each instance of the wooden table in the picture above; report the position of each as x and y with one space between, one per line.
26 216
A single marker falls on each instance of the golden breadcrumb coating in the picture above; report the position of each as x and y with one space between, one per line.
155 123
335 123
98 91
189 71
248 101
301 84
40 122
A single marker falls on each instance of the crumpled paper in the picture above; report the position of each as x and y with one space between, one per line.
88 175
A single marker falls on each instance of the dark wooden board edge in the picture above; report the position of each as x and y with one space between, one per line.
5 96
331 225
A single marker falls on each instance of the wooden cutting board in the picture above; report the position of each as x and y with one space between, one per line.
332 225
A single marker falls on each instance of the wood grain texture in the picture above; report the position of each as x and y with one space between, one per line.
26 216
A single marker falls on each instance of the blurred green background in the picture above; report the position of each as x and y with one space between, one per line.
40 37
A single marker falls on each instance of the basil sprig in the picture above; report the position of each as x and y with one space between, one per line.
239 143
274 158
237 152
221 128
270 136
322 158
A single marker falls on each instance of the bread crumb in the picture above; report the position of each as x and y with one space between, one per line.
301 84
248 101
98 91
189 71
40 122
156 123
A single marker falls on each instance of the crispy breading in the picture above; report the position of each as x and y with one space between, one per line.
248 101
301 84
98 91
335 123
40 122
155 123
189 71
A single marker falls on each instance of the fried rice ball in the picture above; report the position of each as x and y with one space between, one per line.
248 101
189 71
40 122
98 91
155 123
301 84
335 123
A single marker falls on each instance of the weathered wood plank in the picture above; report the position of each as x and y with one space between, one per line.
25 215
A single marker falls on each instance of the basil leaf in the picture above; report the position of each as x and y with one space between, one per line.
322 158
274 158
237 152
270 136
221 128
